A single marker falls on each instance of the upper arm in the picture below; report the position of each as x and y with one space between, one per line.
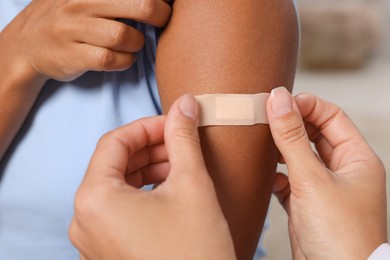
226 46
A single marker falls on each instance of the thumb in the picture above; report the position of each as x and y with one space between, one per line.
182 137
289 133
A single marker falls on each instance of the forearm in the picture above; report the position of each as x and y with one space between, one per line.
19 88
17 95
20 84
232 47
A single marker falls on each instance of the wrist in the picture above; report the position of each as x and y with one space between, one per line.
20 85
19 88
16 70
19 77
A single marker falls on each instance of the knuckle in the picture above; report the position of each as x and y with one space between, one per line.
72 5
137 40
373 162
292 132
111 138
146 8
126 63
103 140
336 108
74 233
105 58
119 34
187 133
84 204
89 202
337 112
379 164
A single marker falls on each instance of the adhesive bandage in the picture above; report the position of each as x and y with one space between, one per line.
232 109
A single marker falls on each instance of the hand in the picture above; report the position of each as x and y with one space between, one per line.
180 219
336 202
64 39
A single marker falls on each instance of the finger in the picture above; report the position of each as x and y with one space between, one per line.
289 133
323 147
96 58
151 174
76 236
336 127
182 138
281 159
149 155
110 34
281 189
329 119
154 12
114 149
155 173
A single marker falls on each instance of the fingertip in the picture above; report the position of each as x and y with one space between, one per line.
281 102
280 182
282 190
181 134
303 96
288 129
189 107
305 102
281 159
182 114
282 110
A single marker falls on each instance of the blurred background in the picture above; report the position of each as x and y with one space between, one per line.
345 58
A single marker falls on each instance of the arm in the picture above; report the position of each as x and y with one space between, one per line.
229 47
19 88
62 40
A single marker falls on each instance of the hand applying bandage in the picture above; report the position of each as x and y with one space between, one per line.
180 219
336 203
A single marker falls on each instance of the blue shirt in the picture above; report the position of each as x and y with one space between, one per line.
46 163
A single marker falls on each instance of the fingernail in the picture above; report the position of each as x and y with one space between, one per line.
281 102
188 106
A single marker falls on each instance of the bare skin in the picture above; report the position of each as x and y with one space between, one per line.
265 59
225 47
180 219
336 205
79 35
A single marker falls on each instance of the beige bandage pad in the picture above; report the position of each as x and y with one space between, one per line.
232 109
